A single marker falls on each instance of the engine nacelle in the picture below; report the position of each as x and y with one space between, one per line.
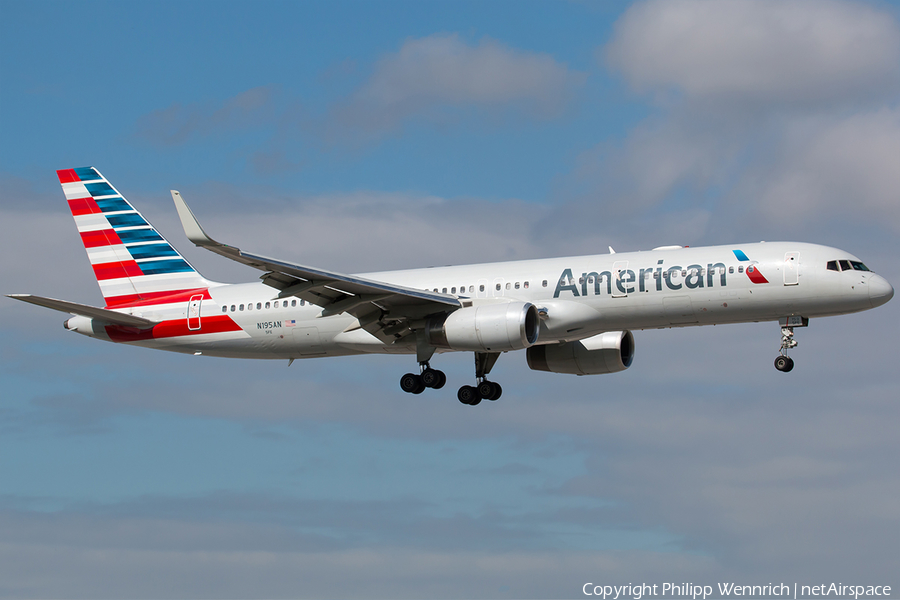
486 328
607 352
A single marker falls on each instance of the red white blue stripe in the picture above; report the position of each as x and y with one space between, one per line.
133 263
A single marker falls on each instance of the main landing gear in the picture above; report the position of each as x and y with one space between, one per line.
428 378
468 394
484 390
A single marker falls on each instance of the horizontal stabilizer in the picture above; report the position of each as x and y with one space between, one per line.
93 312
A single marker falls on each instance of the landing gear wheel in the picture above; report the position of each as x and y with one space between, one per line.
784 364
489 390
412 384
432 378
468 395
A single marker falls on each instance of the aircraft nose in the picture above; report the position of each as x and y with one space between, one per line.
880 291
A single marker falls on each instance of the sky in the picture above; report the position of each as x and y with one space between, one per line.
364 136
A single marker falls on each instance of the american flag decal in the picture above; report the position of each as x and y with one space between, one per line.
290 323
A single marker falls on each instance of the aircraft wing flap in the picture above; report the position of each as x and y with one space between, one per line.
84 310
319 286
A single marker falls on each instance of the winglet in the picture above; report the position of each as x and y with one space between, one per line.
192 228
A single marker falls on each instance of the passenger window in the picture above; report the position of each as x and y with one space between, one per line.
684 273
832 265
258 305
443 290
481 288
507 285
544 283
471 289
284 304
250 306
517 285
498 287
232 308
741 269
241 307
302 302
731 270
293 303
526 285
845 265
224 309
268 305
453 290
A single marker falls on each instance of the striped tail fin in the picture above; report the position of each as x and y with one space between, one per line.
133 263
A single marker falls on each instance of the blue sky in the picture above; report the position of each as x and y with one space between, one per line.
371 136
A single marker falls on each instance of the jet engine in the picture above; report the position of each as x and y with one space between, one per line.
607 352
486 328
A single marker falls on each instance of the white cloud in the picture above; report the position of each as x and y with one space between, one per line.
782 109
761 51
179 123
439 72
842 168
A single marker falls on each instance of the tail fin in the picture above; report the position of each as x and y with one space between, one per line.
133 263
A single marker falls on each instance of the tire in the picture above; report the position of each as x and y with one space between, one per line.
486 389
412 383
790 365
498 391
783 364
468 395
434 379
443 380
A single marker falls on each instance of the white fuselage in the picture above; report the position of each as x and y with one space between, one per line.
578 297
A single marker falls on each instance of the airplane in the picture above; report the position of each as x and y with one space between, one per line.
571 315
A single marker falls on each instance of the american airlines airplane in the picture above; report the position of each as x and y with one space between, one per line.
571 315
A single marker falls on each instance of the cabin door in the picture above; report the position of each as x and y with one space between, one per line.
193 313
792 268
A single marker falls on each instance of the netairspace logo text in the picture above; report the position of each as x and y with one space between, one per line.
725 590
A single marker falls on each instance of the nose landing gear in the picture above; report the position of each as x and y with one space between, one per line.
785 363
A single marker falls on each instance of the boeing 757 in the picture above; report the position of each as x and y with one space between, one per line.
571 315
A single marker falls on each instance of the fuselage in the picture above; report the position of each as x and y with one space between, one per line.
578 297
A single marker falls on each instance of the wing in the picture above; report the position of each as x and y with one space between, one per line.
93 312
384 309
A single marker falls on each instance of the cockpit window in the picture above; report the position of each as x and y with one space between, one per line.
832 265
858 266
845 265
